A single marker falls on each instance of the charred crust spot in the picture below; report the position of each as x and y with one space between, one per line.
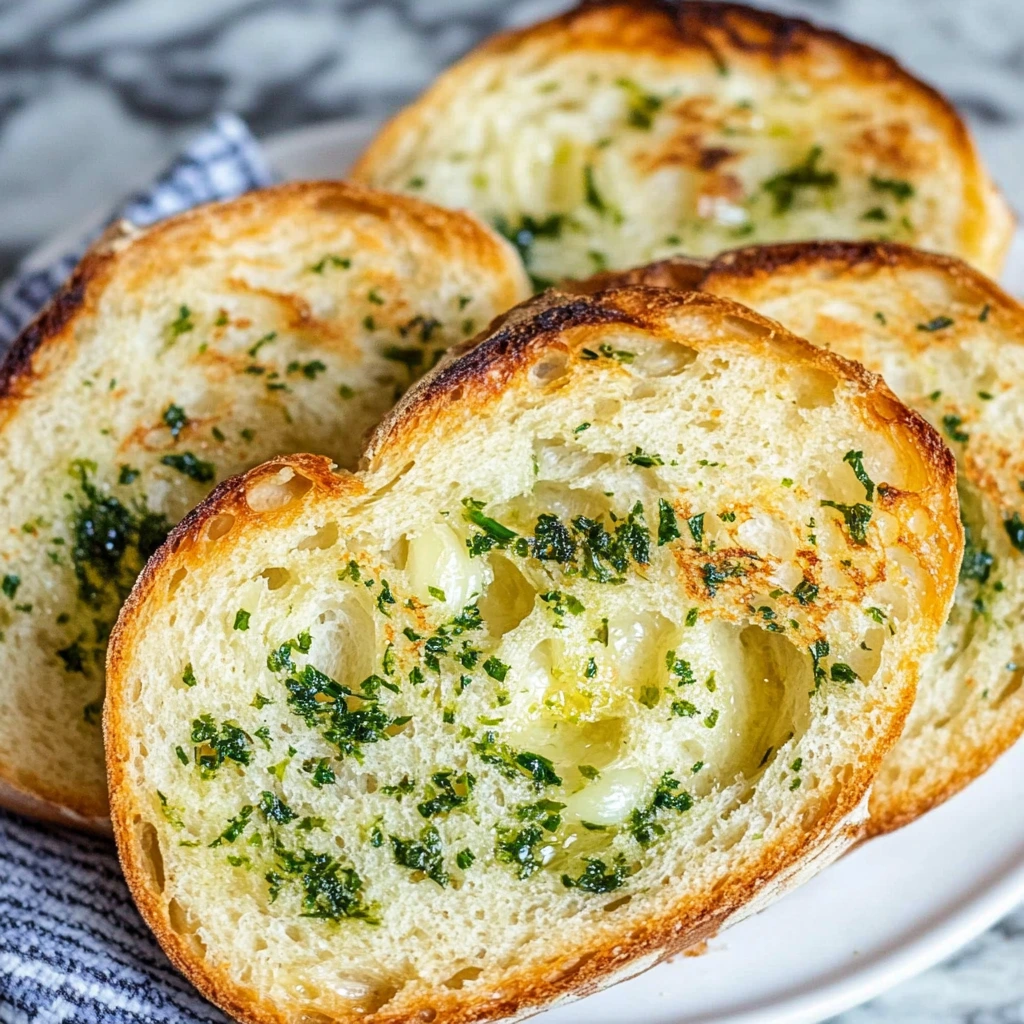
712 157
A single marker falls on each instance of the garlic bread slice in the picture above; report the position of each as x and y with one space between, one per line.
623 132
599 651
285 320
951 344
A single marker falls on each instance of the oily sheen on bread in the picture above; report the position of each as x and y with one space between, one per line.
623 132
951 344
286 320
599 651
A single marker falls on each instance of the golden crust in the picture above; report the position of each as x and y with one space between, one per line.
517 342
743 273
136 262
695 32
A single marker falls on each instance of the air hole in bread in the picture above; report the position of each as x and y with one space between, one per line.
220 526
616 904
644 389
439 567
276 577
313 1017
274 491
183 925
296 934
398 554
551 368
508 599
606 408
151 856
344 643
369 783
815 389
1011 687
744 328
662 359
459 978
175 581
324 538
379 997
561 460
771 696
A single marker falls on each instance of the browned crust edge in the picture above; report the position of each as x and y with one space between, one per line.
26 366
762 261
518 341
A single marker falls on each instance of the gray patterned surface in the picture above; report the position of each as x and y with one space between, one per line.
96 94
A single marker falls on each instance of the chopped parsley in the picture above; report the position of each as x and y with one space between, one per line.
275 809
597 878
842 673
445 792
10 585
426 855
241 620
175 418
514 765
696 525
668 528
518 848
898 187
856 462
330 260
951 424
640 106
856 517
330 891
213 746
785 186
937 323
1014 526
191 466
638 457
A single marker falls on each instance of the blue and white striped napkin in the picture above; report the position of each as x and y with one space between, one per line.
73 949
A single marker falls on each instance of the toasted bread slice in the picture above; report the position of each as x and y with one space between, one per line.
620 133
285 320
951 344
601 650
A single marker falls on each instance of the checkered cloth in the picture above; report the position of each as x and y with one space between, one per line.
73 949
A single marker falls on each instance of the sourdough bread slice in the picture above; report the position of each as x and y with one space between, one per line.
600 650
951 345
622 132
286 320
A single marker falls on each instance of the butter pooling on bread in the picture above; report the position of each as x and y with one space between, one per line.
286 320
599 651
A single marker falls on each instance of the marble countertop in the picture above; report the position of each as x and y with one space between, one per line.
96 94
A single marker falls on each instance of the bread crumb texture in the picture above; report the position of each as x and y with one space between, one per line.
600 649
620 133
287 320
951 345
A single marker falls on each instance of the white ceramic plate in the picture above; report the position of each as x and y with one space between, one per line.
885 912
